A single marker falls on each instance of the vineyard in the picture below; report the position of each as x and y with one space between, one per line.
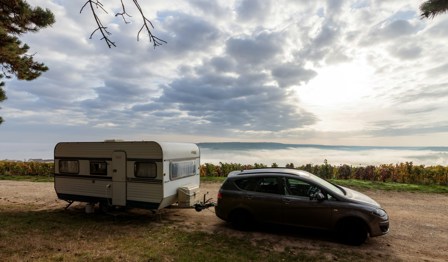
398 173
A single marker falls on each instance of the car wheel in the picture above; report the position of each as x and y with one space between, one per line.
353 232
241 220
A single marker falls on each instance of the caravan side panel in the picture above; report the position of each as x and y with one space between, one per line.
145 192
82 189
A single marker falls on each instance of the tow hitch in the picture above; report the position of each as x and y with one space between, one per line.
204 204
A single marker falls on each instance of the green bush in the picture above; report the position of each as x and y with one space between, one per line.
16 168
400 173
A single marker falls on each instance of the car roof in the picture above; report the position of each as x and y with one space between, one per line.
288 171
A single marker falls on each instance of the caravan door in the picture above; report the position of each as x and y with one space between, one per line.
119 178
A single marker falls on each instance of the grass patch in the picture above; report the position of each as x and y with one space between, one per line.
212 179
389 186
27 178
67 235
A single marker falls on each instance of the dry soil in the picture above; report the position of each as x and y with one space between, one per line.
418 223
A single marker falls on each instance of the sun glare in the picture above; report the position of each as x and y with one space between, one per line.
336 86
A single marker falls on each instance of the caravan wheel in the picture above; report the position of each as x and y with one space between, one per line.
105 206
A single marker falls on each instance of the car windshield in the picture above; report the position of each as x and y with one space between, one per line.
326 184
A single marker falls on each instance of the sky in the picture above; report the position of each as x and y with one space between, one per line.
360 72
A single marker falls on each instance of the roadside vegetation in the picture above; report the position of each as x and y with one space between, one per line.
396 177
407 172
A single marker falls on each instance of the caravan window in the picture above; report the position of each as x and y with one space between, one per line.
69 166
98 168
145 169
182 169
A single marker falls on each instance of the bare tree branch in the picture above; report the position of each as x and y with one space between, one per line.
123 13
147 25
101 27
152 38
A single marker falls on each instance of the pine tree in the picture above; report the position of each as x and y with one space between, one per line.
431 8
17 17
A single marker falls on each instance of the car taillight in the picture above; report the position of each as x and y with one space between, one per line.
219 195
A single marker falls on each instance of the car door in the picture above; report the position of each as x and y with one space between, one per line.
265 199
300 210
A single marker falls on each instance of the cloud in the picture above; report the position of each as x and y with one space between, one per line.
407 130
252 10
238 70
406 52
290 74
248 50
229 103
185 34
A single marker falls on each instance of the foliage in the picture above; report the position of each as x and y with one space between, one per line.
431 8
17 18
406 173
2 94
16 168
396 173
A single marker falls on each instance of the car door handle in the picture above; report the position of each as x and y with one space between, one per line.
249 197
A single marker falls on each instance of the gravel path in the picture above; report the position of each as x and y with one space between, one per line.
419 223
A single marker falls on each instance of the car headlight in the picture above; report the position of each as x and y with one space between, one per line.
379 212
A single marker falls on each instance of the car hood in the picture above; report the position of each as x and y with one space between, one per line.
359 197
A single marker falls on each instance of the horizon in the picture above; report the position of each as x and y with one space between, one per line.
270 152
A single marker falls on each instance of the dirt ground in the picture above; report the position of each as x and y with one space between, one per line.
418 223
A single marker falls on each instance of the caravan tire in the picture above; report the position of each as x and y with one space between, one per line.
105 206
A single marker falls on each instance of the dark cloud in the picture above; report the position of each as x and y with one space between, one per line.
210 8
255 50
326 36
116 94
290 74
222 64
227 103
248 10
185 33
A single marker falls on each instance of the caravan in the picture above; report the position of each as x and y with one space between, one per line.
142 174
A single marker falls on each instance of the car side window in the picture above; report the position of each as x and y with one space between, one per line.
298 187
248 184
269 185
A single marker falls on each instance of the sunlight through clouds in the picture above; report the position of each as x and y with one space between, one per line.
323 72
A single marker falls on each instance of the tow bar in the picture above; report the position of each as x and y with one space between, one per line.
204 204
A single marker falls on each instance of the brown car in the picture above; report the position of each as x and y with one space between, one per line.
298 198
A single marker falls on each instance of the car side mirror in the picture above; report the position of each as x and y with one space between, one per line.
318 196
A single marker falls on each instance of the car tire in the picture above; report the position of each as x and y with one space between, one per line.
241 220
353 232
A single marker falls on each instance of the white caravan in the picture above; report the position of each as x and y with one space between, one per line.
142 174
